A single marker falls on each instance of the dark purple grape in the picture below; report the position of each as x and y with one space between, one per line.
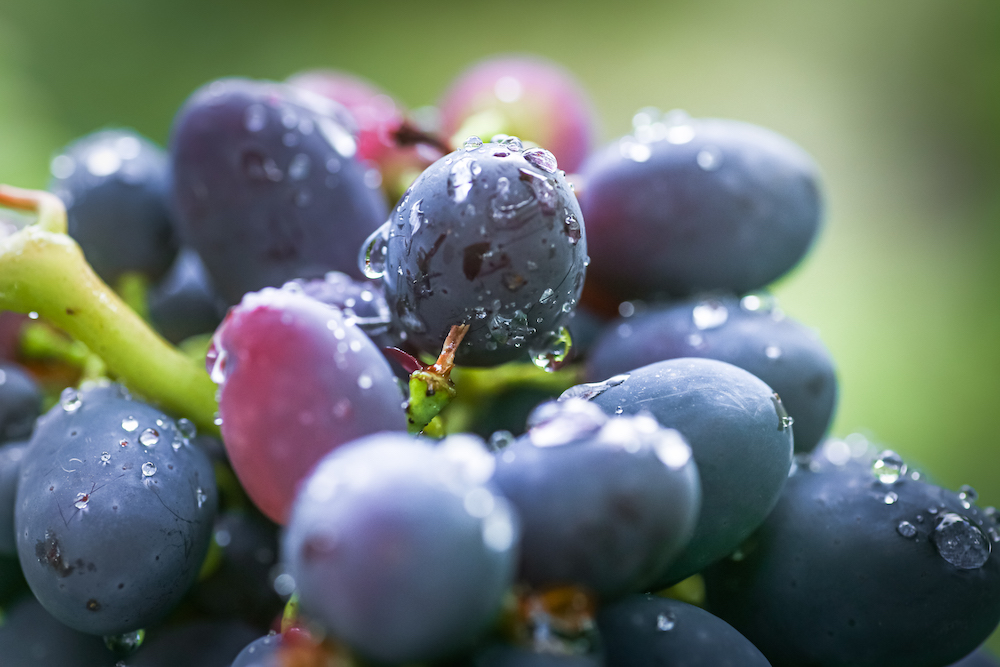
31 637
690 205
980 658
184 303
11 455
490 236
266 187
506 655
193 644
740 436
297 379
751 333
854 553
114 512
402 550
242 585
616 533
20 403
643 630
261 652
114 184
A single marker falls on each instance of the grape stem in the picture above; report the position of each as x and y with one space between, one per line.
408 134
431 388
43 270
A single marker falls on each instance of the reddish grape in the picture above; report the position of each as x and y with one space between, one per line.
534 99
296 380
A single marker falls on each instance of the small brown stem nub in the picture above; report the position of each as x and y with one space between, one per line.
446 361
409 134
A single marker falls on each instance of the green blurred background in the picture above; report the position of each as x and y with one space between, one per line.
898 101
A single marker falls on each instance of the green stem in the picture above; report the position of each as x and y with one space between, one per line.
431 389
43 270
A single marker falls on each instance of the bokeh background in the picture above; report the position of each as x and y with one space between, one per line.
898 101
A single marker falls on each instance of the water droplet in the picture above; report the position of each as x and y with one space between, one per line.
255 118
472 143
500 440
592 390
299 167
200 497
339 138
888 467
665 622
125 643
82 499
784 420
547 295
148 469
461 178
572 226
130 423
62 166
365 381
555 350
772 352
372 260
103 162
960 542
186 428
891 498
906 529
149 437
416 218
709 315
709 158
695 340
217 419
105 458
635 151
680 134
967 495
479 502
70 400
542 159
512 144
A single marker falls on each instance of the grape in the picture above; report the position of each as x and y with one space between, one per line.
617 532
114 512
114 185
30 637
740 436
297 379
20 402
690 205
10 470
504 655
750 333
490 236
529 97
645 630
362 302
402 550
266 187
242 586
379 119
848 558
184 303
978 658
261 652
193 644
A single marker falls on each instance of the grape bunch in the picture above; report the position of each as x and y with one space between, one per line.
464 392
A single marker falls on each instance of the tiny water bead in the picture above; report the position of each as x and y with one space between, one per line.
149 437
542 159
70 400
105 458
960 542
472 143
130 424
148 469
665 622
888 467
906 529
709 315
891 498
82 499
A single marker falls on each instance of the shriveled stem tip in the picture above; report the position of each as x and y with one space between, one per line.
446 361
